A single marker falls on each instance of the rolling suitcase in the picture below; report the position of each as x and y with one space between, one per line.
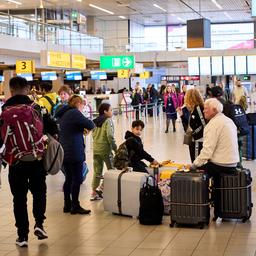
190 199
121 192
233 199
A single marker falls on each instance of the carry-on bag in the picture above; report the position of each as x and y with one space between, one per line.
249 143
233 199
189 202
151 204
121 192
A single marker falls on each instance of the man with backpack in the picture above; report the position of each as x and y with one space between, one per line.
49 99
22 131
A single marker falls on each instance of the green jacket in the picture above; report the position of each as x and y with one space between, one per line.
103 138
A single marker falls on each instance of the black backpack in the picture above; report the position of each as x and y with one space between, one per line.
238 115
151 204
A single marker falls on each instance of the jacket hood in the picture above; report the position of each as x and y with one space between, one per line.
62 111
129 134
100 120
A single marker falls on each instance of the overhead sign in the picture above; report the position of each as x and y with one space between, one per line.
123 73
25 66
78 61
145 75
117 62
55 59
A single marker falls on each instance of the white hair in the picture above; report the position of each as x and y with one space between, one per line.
213 103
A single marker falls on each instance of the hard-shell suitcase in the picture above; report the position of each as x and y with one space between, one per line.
249 143
121 192
233 198
190 198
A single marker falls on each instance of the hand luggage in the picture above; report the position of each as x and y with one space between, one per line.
249 142
151 204
122 190
233 199
190 199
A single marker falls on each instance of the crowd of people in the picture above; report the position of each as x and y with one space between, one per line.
213 146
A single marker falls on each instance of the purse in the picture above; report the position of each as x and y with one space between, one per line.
187 140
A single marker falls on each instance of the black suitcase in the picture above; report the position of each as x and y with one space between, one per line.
189 202
233 199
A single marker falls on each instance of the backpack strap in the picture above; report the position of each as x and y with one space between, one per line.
201 116
119 191
49 100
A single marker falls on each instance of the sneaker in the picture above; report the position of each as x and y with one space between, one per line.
22 242
79 210
66 209
174 129
166 131
40 232
95 197
99 193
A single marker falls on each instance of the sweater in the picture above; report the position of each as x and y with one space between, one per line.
103 136
72 125
220 145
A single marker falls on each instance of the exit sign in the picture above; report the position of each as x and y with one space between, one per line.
117 62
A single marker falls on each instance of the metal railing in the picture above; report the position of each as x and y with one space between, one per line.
51 34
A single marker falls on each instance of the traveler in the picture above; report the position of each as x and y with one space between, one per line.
103 145
135 148
171 104
49 98
64 93
72 127
195 121
239 92
26 172
137 99
181 96
220 146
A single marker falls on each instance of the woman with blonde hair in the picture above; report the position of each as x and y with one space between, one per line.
195 121
72 126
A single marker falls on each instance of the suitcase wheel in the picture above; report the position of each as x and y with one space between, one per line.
172 224
201 225
215 218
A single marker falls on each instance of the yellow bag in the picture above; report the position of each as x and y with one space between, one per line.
167 174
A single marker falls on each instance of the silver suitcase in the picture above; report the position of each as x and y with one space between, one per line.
130 184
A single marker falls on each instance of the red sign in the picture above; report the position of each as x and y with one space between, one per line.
190 78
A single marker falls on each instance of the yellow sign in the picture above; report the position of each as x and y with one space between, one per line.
78 61
145 75
25 66
123 73
58 59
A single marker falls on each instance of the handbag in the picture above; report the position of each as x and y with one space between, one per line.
187 140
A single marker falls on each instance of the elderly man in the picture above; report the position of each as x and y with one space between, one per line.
220 147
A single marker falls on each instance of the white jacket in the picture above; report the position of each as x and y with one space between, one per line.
220 145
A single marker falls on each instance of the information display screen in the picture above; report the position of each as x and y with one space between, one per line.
49 76
205 66
193 66
251 64
28 77
241 68
217 66
229 65
98 75
73 75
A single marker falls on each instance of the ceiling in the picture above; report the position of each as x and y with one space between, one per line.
144 12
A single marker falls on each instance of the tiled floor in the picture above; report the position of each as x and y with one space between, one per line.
101 233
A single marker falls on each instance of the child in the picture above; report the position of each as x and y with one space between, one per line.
135 148
103 145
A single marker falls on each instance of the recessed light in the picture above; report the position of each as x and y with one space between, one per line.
101 9
14 2
122 17
159 7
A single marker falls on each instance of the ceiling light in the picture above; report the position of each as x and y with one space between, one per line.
122 17
14 2
79 0
217 4
102 9
159 7
228 16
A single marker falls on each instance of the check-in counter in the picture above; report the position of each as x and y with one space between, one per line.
95 100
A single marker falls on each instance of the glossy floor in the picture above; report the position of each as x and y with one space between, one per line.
101 233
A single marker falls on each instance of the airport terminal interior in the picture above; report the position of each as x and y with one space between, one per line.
139 56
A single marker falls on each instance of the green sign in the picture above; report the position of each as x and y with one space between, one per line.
74 15
117 62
